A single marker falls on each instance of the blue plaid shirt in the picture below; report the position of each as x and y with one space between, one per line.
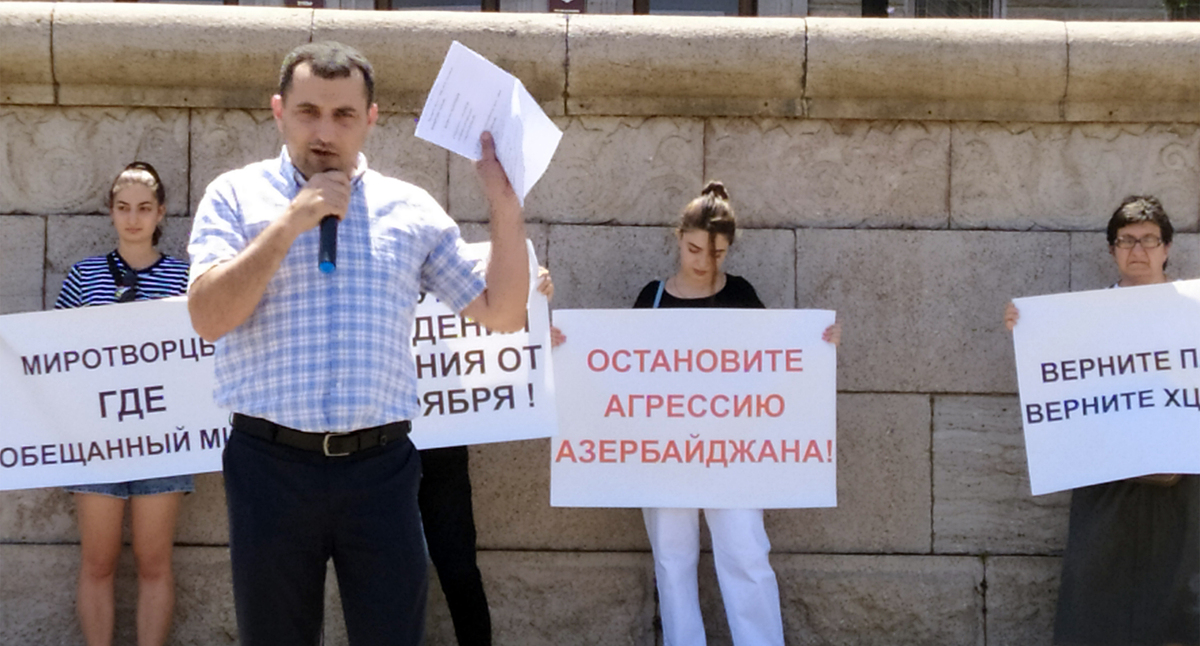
331 352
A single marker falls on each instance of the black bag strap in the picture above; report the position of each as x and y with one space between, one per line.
112 269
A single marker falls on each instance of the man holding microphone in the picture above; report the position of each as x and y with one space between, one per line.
317 365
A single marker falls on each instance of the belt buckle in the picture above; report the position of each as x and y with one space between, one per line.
325 445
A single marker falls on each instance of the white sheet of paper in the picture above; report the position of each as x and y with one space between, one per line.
1110 383
472 95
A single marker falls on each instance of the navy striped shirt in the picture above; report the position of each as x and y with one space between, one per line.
91 283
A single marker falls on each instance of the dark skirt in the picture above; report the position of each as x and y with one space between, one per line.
1131 570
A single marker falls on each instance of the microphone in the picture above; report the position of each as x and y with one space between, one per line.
327 256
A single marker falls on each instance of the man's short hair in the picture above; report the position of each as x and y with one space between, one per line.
328 60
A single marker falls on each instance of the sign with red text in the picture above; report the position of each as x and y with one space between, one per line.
476 386
106 394
1109 383
695 408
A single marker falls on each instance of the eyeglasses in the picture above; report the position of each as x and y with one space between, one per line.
127 289
1147 242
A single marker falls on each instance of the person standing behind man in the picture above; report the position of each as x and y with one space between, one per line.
448 516
316 366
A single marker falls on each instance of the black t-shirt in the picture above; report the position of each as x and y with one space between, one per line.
737 293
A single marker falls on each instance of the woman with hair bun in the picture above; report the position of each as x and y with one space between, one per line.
134 271
749 589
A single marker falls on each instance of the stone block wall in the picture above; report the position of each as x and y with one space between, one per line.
912 175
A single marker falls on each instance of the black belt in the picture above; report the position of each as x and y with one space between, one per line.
331 444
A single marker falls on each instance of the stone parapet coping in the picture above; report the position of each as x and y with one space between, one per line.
160 55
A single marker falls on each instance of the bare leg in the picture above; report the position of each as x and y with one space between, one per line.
100 545
153 539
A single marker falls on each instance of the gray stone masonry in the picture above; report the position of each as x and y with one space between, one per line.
912 175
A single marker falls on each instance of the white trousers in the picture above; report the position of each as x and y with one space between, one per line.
748 586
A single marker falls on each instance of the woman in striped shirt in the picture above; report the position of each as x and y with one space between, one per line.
135 270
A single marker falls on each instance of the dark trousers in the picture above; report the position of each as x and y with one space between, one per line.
291 510
449 520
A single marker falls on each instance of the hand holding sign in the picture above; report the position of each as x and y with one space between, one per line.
1099 406
668 414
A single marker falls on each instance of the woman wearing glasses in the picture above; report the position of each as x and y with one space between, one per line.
1131 569
135 270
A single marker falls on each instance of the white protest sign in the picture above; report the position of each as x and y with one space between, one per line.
472 95
695 408
476 386
106 394
117 393
1110 384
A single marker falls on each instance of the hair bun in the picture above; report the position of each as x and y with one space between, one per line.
145 167
717 189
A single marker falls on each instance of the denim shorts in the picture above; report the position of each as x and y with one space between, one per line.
148 487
